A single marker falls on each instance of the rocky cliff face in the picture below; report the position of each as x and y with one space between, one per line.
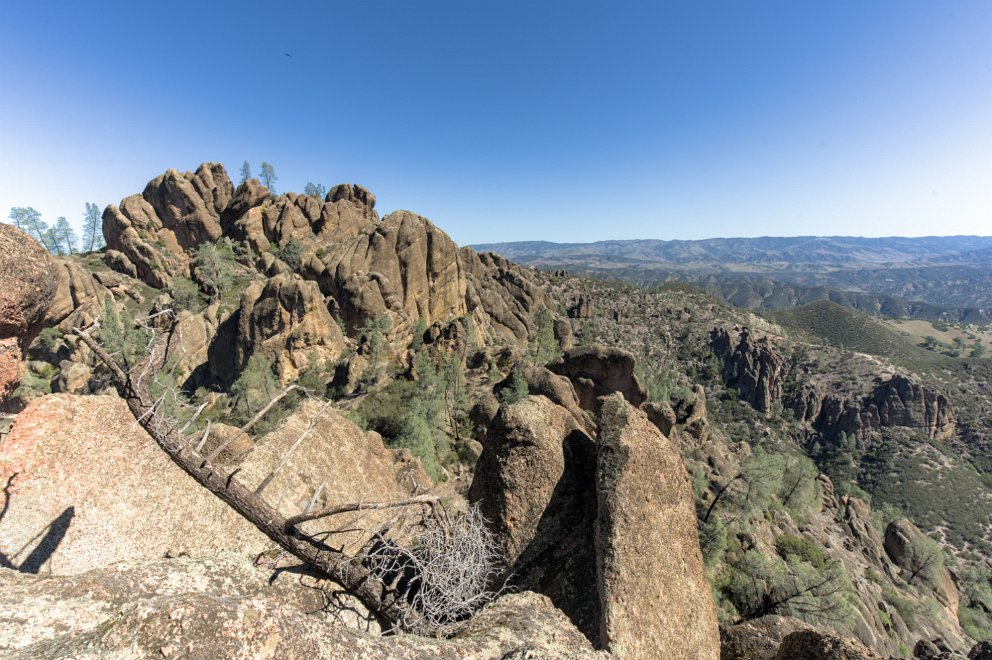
758 371
753 366
353 266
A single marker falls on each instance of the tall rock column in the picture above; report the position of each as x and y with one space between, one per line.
654 598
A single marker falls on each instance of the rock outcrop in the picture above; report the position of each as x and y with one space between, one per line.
152 234
599 371
820 645
655 600
754 367
907 547
286 320
29 282
901 402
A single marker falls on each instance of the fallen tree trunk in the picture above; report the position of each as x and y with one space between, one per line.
345 570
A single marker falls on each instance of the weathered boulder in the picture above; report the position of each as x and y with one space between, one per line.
757 639
29 281
599 371
328 457
821 645
286 320
690 413
581 308
752 366
655 600
533 482
224 608
86 487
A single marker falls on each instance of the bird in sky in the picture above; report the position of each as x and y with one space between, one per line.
286 54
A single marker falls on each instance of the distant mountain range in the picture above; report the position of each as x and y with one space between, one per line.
934 277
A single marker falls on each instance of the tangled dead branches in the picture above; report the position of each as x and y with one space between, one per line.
445 570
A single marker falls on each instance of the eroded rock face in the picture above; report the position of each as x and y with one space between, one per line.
753 366
820 645
654 597
406 266
901 402
902 543
599 371
286 320
29 282
152 234
87 487
533 482
507 294
336 459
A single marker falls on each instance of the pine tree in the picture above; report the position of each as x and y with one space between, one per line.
315 190
29 220
245 171
268 176
64 237
92 229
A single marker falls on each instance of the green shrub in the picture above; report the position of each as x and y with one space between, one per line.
514 388
185 295
801 548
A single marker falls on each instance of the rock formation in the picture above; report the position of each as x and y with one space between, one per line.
598 371
533 483
87 488
29 281
753 366
224 608
285 319
901 402
654 596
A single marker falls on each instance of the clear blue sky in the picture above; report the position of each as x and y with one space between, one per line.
567 121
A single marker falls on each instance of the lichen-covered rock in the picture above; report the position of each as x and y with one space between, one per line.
29 281
599 371
333 459
86 487
655 600
224 608
534 482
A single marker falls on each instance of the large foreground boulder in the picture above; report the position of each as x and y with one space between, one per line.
654 597
84 487
224 608
533 482
29 280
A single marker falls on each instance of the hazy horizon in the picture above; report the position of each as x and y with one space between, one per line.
511 122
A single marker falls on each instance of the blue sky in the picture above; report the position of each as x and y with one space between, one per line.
566 120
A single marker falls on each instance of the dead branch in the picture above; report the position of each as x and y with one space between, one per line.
251 422
293 521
